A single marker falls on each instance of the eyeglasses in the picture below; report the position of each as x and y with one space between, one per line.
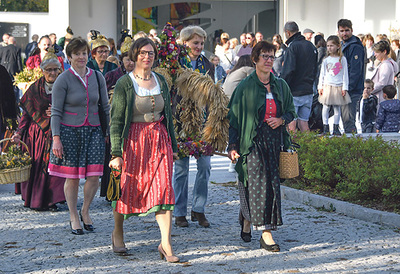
50 70
143 53
267 57
103 52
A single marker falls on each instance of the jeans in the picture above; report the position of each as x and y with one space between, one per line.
302 105
200 189
349 113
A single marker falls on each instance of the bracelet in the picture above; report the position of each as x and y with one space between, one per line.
284 121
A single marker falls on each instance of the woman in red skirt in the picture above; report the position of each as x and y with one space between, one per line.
143 146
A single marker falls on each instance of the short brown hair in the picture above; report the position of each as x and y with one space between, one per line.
381 46
75 45
262 46
345 23
140 43
369 82
390 91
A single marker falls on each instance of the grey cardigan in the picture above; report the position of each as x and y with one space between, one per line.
75 105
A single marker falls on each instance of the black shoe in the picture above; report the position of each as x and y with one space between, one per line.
85 226
201 218
272 248
246 236
181 221
53 208
326 130
78 231
336 130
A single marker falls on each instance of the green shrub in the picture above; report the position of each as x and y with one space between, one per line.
353 169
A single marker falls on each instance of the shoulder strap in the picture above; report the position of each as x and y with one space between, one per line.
98 84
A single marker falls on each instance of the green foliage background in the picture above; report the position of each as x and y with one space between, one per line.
363 171
24 5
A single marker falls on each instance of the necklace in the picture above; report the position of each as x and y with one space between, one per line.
144 79
266 84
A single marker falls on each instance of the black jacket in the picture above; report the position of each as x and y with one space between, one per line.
10 58
369 109
300 66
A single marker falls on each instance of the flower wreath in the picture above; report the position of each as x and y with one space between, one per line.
195 138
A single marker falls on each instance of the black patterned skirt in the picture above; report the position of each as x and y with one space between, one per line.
260 200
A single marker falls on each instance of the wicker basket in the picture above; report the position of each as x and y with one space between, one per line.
15 175
288 164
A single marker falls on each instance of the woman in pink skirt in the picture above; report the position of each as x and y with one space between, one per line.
143 146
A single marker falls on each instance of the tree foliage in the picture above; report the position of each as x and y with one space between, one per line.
24 5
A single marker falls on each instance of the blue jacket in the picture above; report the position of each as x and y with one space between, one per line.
300 66
353 50
388 119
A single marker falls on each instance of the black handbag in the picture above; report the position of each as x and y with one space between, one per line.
102 113
114 187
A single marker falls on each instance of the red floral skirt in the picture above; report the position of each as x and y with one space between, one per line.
146 179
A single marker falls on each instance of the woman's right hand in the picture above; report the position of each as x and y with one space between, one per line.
320 91
116 163
16 138
57 147
233 155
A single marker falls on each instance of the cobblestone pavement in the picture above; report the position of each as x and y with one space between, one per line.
311 241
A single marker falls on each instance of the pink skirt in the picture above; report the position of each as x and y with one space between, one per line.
146 179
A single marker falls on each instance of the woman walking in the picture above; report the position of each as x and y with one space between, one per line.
78 140
260 107
143 146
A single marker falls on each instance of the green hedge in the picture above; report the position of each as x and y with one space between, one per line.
365 171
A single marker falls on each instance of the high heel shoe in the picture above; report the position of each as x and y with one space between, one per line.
78 231
272 248
85 226
170 259
246 236
117 249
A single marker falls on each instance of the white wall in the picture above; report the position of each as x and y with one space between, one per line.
318 15
367 16
56 20
99 15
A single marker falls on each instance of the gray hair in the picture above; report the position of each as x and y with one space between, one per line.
291 26
189 32
50 61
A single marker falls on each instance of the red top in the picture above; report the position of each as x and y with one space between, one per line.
270 109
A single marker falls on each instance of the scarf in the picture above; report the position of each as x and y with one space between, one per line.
35 102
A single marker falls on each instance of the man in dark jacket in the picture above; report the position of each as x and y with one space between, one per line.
31 46
353 50
299 71
10 57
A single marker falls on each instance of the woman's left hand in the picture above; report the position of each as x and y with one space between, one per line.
274 122
344 92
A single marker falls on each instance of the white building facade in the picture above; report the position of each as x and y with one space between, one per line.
234 17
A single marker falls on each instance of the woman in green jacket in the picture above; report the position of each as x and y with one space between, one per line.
260 107
143 146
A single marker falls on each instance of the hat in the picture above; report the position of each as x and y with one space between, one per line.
307 31
50 55
126 45
98 40
225 36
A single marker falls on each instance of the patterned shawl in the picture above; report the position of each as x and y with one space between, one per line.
35 102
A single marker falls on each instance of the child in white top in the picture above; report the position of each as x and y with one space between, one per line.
333 84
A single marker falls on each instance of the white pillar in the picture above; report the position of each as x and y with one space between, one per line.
129 15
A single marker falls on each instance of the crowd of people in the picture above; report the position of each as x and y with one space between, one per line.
272 86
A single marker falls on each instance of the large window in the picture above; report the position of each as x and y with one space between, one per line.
24 5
